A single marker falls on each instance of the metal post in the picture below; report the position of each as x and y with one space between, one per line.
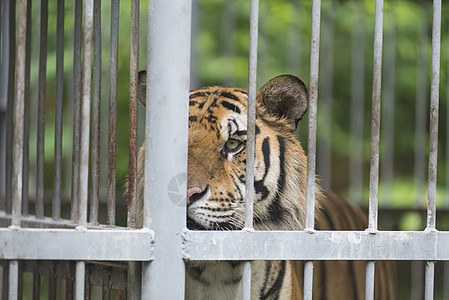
433 139
10 105
76 108
56 213
26 121
326 92
251 140
112 137
84 138
133 78
41 111
434 108
311 142
166 143
375 136
96 100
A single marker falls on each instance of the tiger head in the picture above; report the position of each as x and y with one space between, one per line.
217 156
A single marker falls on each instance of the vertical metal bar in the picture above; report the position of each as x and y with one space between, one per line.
20 283
41 111
96 100
10 105
308 280
369 280
26 123
251 140
421 108
85 112
430 280
313 96
311 141
59 96
80 280
112 137
13 280
4 70
326 92
375 117
52 282
84 138
133 78
357 106
388 115
134 280
76 107
167 136
434 108
36 283
19 114
375 136
433 139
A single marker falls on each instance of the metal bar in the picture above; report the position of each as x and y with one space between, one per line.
321 245
357 106
134 280
313 96
4 72
166 134
52 282
96 100
251 138
10 105
430 280
41 111
375 118
369 280
85 112
13 280
251 114
388 109
311 141
59 98
133 78
326 92
76 108
434 109
308 280
80 280
68 244
112 137
19 114
36 283
26 123
421 108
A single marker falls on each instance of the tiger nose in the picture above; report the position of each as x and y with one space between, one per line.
195 193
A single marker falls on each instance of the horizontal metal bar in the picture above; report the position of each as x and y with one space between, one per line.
67 244
317 245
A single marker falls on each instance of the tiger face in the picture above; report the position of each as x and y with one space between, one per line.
217 156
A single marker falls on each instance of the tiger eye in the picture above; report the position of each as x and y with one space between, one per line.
232 144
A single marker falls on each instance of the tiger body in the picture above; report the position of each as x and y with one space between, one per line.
216 184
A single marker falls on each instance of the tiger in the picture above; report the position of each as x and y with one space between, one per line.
215 194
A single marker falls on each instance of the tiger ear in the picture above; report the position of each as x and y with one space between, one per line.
284 96
142 87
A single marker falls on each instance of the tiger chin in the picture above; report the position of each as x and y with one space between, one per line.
216 193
